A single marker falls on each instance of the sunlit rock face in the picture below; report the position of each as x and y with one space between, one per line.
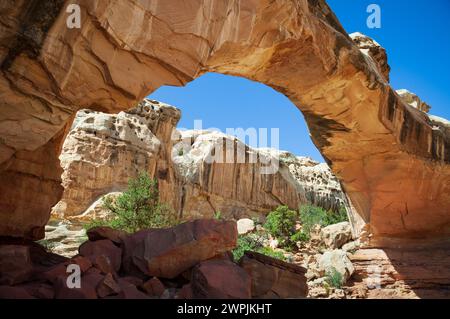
321 187
371 48
102 152
219 173
413 100
196 175
392 161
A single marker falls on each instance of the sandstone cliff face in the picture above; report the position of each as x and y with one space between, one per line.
103 151
393 165
216 179
413 100
220 173
203 173
375 51
321 187
412 271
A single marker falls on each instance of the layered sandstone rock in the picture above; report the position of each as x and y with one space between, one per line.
64 238
167 253
102 152
220 173
320 185
336 235
413 100
374 50
220 279
416 270
202 181
392 163
272 278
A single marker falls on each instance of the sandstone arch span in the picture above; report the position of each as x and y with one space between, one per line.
393 164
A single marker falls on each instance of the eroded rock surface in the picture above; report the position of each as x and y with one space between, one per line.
199 179
413 100
220 173
374 50
418 270
220 279
167 253
272 278
103 151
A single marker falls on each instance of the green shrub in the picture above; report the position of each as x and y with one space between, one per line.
218 215
271 253
246 243
137 208
312 215
281 224
300 236
96 223
254 242
334 278
339 217
256 220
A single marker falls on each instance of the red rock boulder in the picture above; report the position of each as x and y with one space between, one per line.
220 279
15 264
166 253
40 290
273 278
154 287
103 254
99 233
87 289
108 286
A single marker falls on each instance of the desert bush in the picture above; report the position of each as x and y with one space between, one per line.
137 208
334 278
271 253
300 236
245 243
311 215
254 242
281 224
340 216
218 215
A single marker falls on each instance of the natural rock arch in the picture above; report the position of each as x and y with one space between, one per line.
393 165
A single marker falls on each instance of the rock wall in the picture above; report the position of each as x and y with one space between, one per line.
320 185
413 100
393 163
375 51
220 173
412 271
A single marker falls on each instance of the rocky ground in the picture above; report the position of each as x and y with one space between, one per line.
327 251
191 260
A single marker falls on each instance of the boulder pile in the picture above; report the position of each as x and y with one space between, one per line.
190 260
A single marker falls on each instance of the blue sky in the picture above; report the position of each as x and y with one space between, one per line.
416 35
